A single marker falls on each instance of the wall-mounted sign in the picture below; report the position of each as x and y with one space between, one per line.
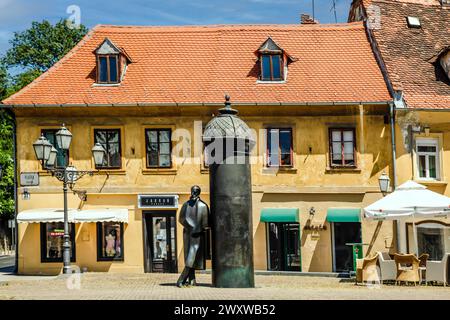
29 179
157 201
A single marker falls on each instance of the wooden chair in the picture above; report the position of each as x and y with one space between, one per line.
407 268
423 266
366 270
423 259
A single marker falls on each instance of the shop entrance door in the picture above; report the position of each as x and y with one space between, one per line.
284 246
160 241
344 233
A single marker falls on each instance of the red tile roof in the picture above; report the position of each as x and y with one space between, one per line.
408 52
198 64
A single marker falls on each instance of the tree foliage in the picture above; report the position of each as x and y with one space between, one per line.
32 52
42 45
6 161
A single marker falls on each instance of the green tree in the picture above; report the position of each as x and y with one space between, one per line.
33 52
42 45
3 82
6 161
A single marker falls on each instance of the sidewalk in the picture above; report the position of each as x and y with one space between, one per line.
99 286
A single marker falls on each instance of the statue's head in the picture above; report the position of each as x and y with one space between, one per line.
195 192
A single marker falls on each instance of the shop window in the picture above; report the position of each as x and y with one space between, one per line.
342 147
279 147
111 141
52 242
61 159
427 158
109 241
159 148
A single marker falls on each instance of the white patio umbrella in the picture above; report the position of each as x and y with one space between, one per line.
411 199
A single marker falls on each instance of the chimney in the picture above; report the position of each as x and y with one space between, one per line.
307 19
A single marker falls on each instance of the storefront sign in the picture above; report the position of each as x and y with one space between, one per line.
29 179
157 201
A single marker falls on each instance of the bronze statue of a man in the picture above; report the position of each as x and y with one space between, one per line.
194 217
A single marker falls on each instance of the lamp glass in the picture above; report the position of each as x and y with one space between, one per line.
63 138
42 148
99 153
52 158
384 182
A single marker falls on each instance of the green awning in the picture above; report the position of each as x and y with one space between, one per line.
343 215
280 215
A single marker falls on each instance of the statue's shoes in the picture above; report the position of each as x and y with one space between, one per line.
193 283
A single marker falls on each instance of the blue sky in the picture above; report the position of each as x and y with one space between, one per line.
16 15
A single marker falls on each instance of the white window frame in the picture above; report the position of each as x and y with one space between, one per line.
428 142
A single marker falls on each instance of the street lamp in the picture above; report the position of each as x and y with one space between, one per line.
384 183
46 153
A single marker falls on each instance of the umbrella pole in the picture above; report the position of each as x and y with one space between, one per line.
416 242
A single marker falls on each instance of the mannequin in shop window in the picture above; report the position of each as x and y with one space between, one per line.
194 217
111 244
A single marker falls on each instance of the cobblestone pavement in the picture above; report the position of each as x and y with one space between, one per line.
161 286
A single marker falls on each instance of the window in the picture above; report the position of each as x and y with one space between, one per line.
52 242
110 141
432 238
342 147
271 67
61 159
427 158
159 148
445 62
109 241
108 68
279 147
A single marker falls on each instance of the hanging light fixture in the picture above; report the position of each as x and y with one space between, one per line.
64 138
384 182
42 148
99 154
51 161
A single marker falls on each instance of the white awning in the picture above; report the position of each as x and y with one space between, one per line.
44 215
75 216
102 215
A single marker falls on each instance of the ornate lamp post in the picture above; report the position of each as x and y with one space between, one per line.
46 153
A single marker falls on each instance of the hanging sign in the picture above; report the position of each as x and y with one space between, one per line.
29 179
157 201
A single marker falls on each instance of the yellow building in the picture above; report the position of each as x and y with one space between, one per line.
313 94
419 78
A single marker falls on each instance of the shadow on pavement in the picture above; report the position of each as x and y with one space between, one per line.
207 285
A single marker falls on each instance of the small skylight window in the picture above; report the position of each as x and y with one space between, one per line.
413 22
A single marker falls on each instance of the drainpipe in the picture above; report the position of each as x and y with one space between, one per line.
394 167
16 233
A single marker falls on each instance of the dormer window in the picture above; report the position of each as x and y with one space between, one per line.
111 63
445 62
271 67
108 68
273 61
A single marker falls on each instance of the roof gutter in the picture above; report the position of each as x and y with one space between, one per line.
198 104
